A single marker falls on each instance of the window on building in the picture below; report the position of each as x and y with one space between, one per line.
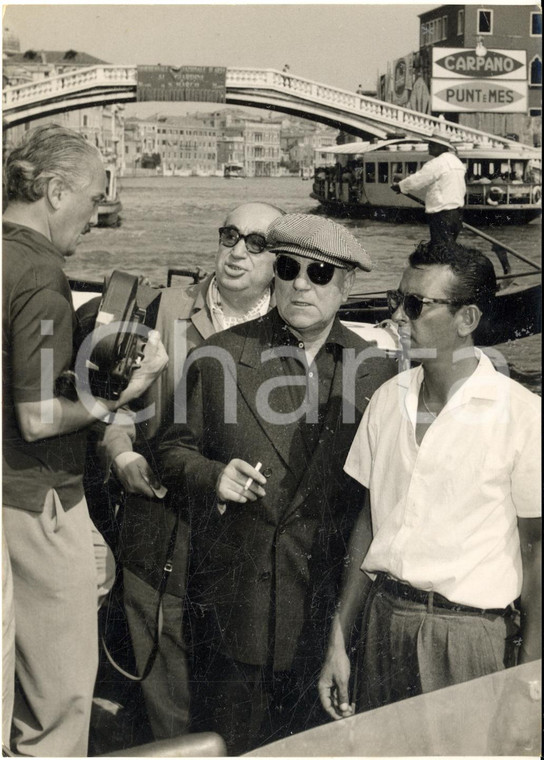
536 24
485 22
422 35
461 21
536 71
535 111
444 27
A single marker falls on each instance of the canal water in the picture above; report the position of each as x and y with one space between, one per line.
173 222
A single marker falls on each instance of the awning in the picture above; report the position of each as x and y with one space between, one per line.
354 147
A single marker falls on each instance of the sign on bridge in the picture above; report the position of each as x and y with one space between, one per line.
181 83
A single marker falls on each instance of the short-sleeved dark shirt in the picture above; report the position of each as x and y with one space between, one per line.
38 324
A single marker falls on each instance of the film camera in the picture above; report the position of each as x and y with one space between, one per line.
111 334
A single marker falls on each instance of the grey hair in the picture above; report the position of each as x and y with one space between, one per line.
50 151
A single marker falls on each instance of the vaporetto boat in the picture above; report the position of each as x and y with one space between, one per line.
504 184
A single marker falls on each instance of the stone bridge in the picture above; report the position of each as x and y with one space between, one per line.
260 88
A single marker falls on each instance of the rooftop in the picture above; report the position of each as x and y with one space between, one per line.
54 57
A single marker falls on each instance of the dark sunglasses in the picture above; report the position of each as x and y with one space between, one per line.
229 236
318 272
412 304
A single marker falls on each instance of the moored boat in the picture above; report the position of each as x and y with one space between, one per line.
504 185
110 208
233 171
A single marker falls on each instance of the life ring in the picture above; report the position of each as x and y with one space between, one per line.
537 195
495 196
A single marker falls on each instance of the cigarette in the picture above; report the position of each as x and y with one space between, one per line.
249 481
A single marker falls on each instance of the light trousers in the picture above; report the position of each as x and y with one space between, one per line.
8 644
55 600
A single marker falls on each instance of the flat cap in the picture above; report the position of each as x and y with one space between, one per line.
318 238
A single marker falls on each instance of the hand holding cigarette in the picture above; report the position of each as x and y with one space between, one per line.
240 481
249 481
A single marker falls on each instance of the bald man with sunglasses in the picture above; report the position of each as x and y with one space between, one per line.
238 290
450 453
266 415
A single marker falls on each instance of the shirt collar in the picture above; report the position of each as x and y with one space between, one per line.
222 321
18 233
338 335
485 383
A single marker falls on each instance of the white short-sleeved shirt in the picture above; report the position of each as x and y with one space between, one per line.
444 514
444 176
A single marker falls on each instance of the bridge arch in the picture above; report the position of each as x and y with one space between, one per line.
259 88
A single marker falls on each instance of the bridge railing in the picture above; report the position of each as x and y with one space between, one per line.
68 83
379 112
387 114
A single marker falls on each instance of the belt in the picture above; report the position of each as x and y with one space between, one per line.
405 591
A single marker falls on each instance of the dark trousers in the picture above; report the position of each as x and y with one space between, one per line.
249 705
445 226
408 648
167 689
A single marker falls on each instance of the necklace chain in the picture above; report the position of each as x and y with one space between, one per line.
429 411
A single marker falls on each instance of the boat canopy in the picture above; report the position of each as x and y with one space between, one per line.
351 148
463 149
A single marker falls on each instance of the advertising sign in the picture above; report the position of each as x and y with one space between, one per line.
479 95
181 83
403 78
495 64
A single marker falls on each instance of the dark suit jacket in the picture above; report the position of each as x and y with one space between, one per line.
263 570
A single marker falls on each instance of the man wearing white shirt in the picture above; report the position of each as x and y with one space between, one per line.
450 453
443 179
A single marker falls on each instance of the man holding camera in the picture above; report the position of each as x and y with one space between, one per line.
266 413
239 290
54 181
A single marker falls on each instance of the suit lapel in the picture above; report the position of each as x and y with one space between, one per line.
200 316
203 323
333 436
256 373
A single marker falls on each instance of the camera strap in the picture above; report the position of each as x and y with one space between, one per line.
159 616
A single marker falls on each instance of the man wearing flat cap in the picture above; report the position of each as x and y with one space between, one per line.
443 179
266 412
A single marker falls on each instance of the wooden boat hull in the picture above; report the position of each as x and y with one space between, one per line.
108 213
484 216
